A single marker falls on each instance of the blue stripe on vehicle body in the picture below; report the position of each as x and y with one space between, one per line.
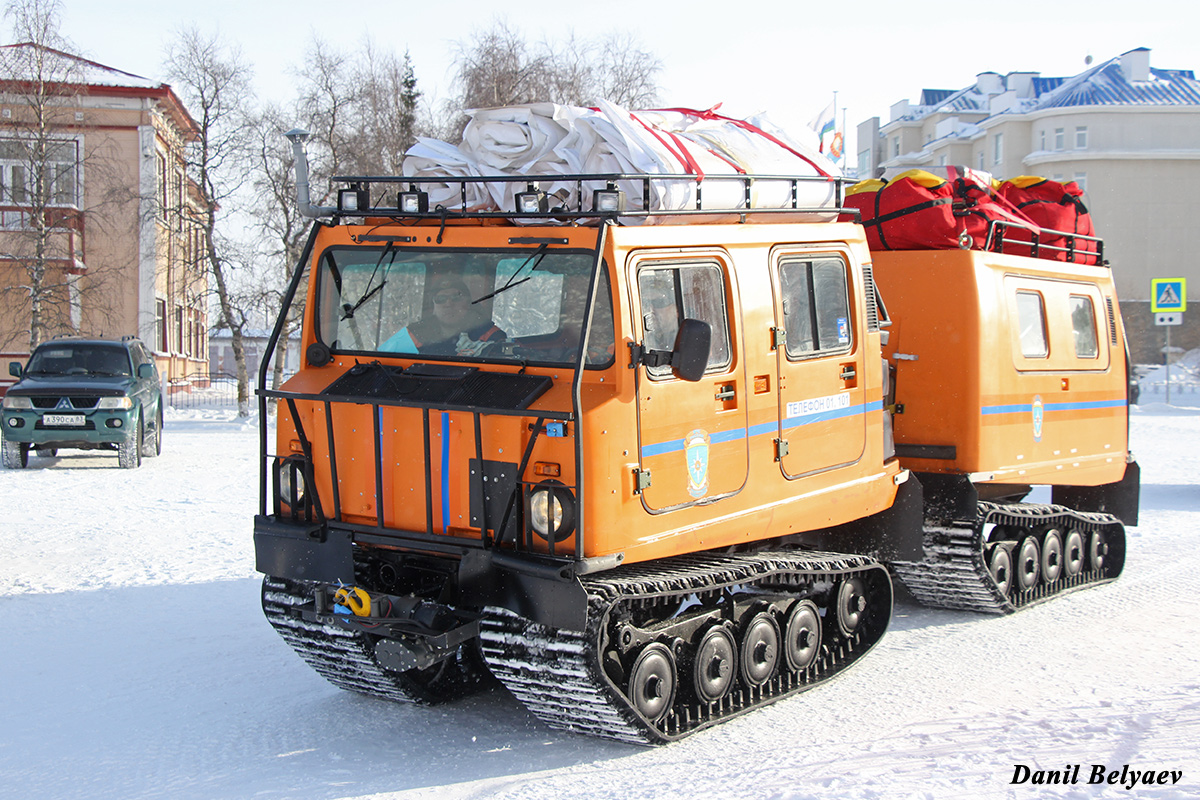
1026 408
445 471
763 428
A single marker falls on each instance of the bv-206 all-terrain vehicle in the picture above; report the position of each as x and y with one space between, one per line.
650 468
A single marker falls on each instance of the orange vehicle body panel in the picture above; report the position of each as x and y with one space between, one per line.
1011 414
632 423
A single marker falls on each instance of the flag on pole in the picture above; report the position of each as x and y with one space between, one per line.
823 123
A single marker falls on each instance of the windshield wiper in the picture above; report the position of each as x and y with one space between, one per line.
539 254
347 309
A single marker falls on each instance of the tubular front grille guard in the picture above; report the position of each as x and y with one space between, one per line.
363 183
494 525
269 461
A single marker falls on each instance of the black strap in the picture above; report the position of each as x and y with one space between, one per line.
879 219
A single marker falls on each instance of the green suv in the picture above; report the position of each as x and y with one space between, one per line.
86 394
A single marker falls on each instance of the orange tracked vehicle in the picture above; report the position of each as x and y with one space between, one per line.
644 474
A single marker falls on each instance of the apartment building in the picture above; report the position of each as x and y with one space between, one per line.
97 211
1127 132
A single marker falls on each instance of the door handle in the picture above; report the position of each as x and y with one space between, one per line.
725 393
848 372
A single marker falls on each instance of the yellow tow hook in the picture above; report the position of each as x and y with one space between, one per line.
354 599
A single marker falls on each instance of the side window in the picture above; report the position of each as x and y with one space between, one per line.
673 293
329 301
816 306
1031 315
1083 322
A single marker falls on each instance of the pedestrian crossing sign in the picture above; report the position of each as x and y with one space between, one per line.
1168 295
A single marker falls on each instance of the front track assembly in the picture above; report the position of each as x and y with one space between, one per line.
1012 556
679 645
350 658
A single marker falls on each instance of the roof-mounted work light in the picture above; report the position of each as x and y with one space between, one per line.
354 200
610 200
414 201
532 201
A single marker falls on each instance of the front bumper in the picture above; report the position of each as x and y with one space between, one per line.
550 594
101 427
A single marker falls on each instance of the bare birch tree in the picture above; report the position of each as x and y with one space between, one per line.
499 67
213 80
44 285
363 115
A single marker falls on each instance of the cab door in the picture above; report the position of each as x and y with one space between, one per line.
692 438
822 397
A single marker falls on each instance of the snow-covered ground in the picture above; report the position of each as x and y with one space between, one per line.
1183 378
135 663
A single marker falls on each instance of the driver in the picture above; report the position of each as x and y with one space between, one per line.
449 329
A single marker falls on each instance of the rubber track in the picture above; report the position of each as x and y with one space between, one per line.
954 572
347 658
557 674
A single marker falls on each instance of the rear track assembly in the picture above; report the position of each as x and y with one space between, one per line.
1012 556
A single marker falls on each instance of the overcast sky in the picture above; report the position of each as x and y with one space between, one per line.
784 57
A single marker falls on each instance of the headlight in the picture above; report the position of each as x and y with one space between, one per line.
292 488
111 403
551 502
17 402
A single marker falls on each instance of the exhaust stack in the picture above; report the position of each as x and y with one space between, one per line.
298 137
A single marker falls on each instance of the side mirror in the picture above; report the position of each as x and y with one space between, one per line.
14 368
693 343
145 371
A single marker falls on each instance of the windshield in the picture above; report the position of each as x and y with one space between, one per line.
521 306
79 359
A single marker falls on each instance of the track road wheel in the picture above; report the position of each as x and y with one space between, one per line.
652 681
715 666
1097 550
802 635
851 603
999 562
16 455
1073 554
1029 563
760 649
1052 555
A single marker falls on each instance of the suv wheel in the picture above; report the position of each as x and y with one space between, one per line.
129 452
152 443
16 455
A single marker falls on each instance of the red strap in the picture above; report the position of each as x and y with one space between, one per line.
741 123
681 154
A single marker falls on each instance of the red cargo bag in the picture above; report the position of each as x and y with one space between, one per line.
981 213
913 211
1058 207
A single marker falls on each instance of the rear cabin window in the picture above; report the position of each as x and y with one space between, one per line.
1083 322
1055 326
1031 316
816 306
671 293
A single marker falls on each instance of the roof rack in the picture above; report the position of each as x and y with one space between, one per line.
789 194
